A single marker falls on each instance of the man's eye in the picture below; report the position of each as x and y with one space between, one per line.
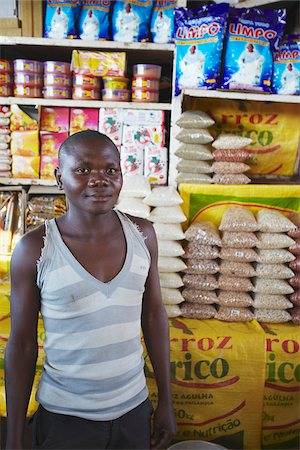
112 171
82 170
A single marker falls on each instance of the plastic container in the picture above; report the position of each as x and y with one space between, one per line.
28 78
115 82
145 83
58 67
6 78
55 79
28 65
144 95
21 90
56 92
6 66
88 81
196 445
116 95
83 93
147 70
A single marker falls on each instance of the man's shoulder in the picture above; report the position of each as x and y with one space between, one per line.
143 224
30 245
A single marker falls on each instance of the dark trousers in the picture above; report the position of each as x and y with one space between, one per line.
59 431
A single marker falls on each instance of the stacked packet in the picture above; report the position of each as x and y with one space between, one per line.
5 153
135 188
295 266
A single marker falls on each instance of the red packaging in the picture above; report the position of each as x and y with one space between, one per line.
88 81
82 93
6 66
21 90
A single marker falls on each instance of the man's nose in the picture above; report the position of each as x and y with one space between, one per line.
98 178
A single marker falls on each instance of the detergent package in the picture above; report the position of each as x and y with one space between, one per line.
93 23
162 21
60 19
130 21
252 36
286 75
199 36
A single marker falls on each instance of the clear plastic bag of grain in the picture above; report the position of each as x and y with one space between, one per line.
205 233
295 297
279 256
295 265
194 136
169 264
295 248
197 311
227 283
195 251
239 239
279 271
228 178
231 155
272 315
190 166
195 152
163 196
171 296
238 254
193 178
271 221
235 299
201 266
230 314
295 218
167 214
198 296
169 248
295 314
168 231
237 218
231 142
271 301
170 280
272 286
194 119
226 167
295 281
237 269
270 241
202 282
172 311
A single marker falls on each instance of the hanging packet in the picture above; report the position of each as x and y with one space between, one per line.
251 38
130 21
162 21
199 35
60 19
286 76
93 21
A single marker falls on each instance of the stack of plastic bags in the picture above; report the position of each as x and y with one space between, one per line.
135 189
194 165
295 266
5 153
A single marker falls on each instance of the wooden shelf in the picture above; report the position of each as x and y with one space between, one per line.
26 181
229 95
254 3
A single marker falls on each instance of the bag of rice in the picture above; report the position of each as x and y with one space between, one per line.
171 296
234 284
194 136
271 221
169 264
295 265
195 152
295 281
230 179
172 311
204 233
277 271
197 311
168 231
135 186
163 196
190 166
194 119
200 251
231 155
239 239
295 249
169 248
201 266
201 282
238 254
170 280
225 167
167 214
272 286
271 315
134 207
295 218
237 218
193 178
271 301
235 299
237 269
230 314
197 296
295 297
295 314
231 142
279 256
273 240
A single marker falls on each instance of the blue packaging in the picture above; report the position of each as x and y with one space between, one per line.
162 21
60 19
131 20
252 36
286 76
93 22
199 36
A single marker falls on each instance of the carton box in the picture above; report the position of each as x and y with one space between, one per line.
132 160
156 164
111 124
51 142
47 167
143 116
25 143
83 119
143 135
25 166
55 118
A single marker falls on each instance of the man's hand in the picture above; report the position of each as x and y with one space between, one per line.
164 427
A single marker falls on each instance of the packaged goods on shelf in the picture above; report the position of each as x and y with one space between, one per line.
47 167
194 119
83 119
132 160
43 207
116 95
162 22
11 224
5 138
111 124
20 121
99 64
135 186
130 21
287 67
143 135
134 207
115 82
156 164
25 166
93 20
25 143
143 116
50 142
163 196
60 20
55 118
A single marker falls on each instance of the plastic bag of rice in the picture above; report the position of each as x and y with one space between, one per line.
196 152
272 286
271 315
237 218
230 178
295 218
295 297
195 119
239 239
135 186
170 280
295 265
271 301
227 283
279 256
295 281
163 196
167 214
171 296
134 207
197 311
231 155
168 231
230 314
194 136
238 254
190 166
202 282
231 142
169 248
279 271
235 299
204 233
200 251
273 240
225 167
237 269
170 264
201 266
172 311
193 178
271 221
197 296
295 248
295 314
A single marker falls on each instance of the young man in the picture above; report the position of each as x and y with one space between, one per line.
93 275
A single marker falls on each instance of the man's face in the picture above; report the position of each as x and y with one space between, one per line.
192 49
290 67
128 8
250 48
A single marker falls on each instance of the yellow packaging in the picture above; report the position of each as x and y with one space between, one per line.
25 143
20 121
99 64
25 166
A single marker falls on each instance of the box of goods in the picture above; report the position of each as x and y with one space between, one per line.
99 64
43 207
25 143
55 118
25 166
156 164
83 119
20 121
51 142
47 167
143 135
111 124
132 160
143 116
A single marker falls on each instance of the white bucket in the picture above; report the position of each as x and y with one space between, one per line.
196 445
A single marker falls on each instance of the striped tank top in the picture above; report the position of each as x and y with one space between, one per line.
94 366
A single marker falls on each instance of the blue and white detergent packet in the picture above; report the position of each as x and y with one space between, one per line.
286 75
131 20
199 36
60 19
93 22
252 36
162 21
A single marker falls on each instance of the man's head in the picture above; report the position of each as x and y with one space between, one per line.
250 48
128 8
160 14
90 13
290 67
192 49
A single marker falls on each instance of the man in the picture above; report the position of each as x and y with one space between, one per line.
250 67
127 25
162 29
93 275
192 68
290 80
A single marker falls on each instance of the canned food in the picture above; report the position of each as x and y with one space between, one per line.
58 67
6 78
28 78
147 70
145 95
88 81
5 65
145 83
53 79
21 90
56 92
28 65
115 82
116 95
84 93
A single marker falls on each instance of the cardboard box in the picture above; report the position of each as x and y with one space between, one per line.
51 142
143 116
143 135
111 124
55 118
25 166
25 143
132 160
83 119
47 167
156 164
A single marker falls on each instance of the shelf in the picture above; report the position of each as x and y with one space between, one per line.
83 103
26 181
229 95
255 3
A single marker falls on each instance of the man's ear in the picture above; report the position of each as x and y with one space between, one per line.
57 174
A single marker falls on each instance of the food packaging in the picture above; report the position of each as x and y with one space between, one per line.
6 78
115 82
6 90
88 81
116 95
141 136
56 92
6 66
83 119
156 164
132 160
111 124
28 65
147 70
144 95
25 143
47 167
20 121
51 142
25 166
144 116
28 79
85 93
100 64
22 90
55 118
61 80
151 84
57 67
